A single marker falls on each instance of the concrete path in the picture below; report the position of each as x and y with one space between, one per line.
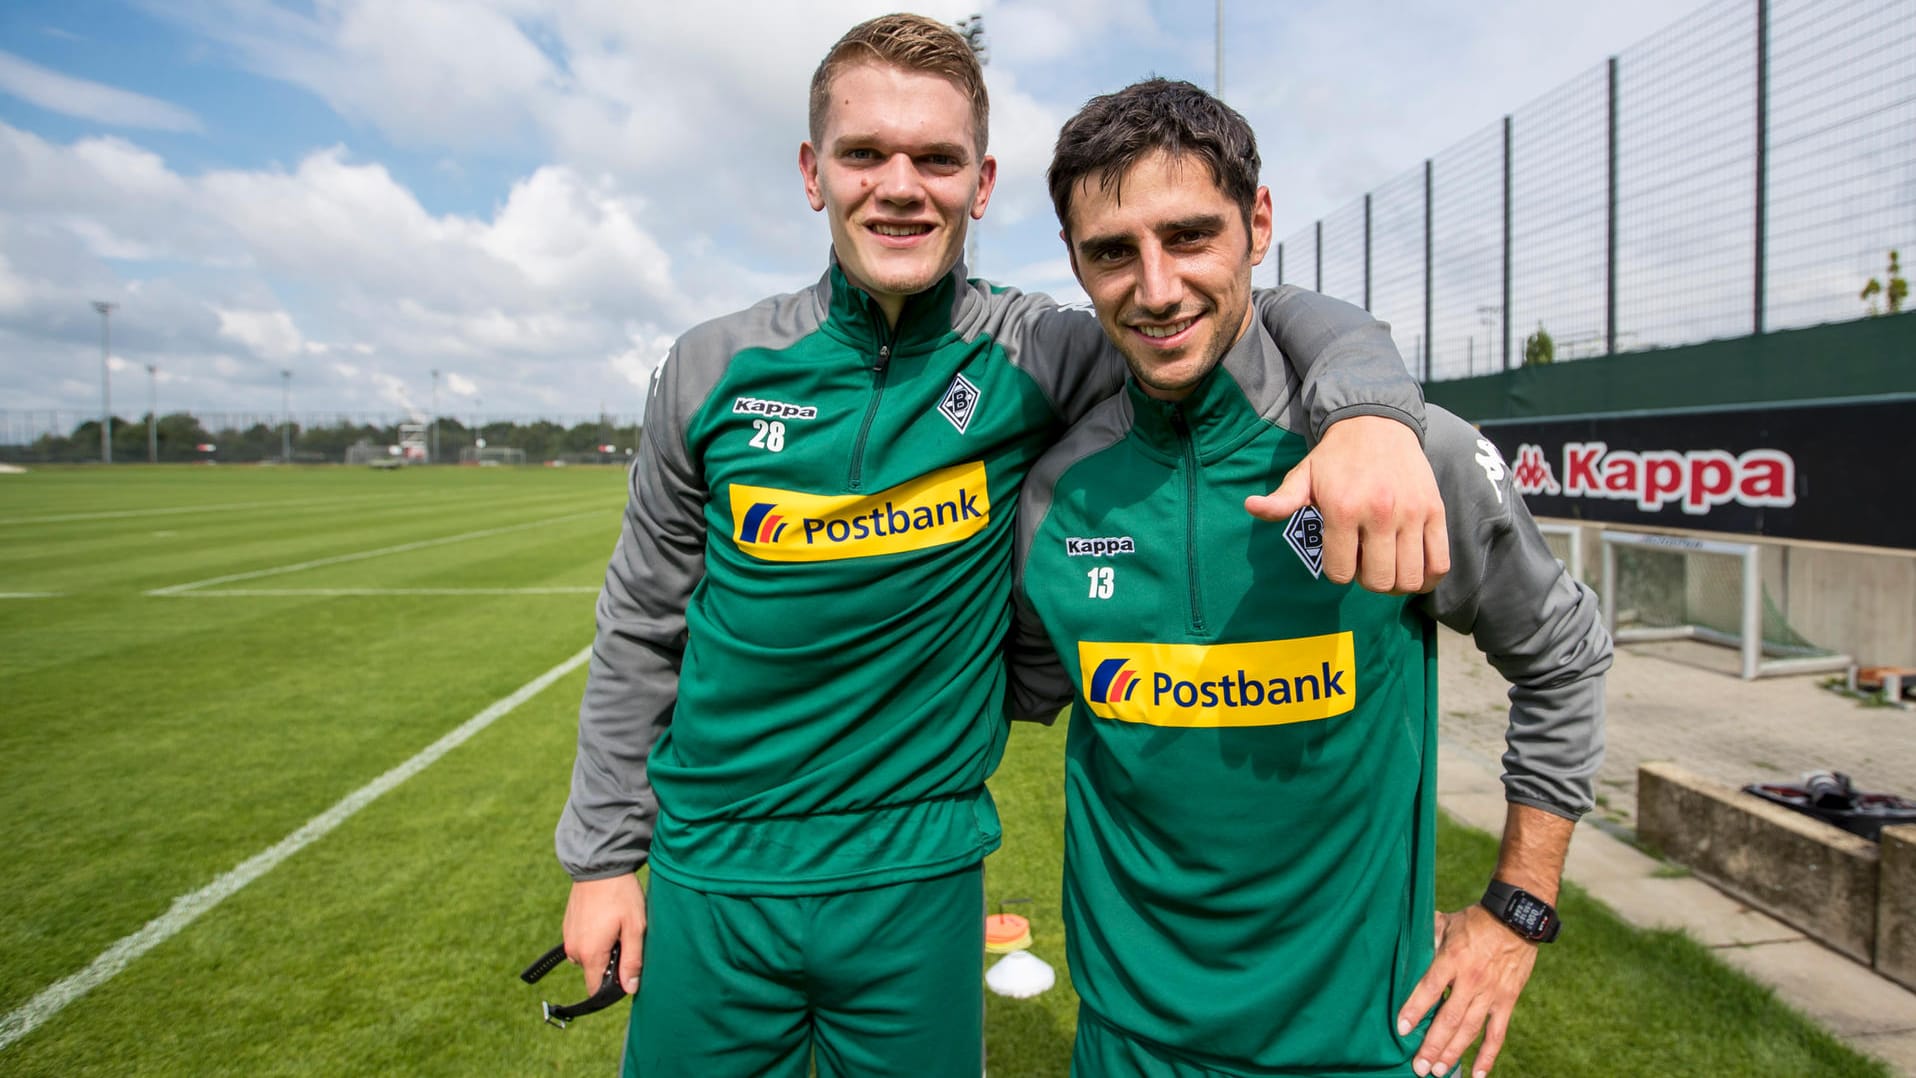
1680 702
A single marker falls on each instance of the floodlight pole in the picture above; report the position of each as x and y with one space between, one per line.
152 414
973 31
106 387
286 417
1220 50
1487 317
435 416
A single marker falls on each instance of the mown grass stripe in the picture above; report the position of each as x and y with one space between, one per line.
176 589
123 514
257 593
187 908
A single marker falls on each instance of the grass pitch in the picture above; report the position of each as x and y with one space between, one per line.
195 662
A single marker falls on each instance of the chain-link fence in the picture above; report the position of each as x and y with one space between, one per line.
1748 169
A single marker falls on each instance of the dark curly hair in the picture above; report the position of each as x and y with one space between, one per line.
1113 132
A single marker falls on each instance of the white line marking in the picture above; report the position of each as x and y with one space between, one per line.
187 908
228 507
176 589
372 500
29 594
255 593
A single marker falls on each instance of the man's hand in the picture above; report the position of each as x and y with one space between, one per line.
1485 965
599 912
1383 517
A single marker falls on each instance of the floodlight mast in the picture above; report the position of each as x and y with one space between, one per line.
106 389
1220 50
972 29
286 417
152 413
435 415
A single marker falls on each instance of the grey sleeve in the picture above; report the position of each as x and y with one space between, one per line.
1036 685
1539 628
1346 359
633 679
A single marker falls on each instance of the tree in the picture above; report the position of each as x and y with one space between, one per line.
1893 294
1539 349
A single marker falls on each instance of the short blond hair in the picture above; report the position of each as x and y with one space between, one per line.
913 43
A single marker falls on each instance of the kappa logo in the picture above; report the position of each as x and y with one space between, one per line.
1492 462
1099 547
1259 683
960 402
774 409
1112 682
1698 480
1305 532
1532 474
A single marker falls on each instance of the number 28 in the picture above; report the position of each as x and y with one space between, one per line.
768 435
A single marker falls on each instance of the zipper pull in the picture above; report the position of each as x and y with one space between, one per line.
884 358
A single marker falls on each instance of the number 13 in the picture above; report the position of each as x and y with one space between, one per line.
1101 582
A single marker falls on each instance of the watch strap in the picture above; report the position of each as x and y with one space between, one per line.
610 990
1522 912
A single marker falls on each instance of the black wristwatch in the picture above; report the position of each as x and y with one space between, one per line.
1526 914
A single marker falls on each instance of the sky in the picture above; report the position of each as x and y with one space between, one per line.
535 197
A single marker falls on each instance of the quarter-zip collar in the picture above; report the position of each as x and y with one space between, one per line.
1216 417
853 317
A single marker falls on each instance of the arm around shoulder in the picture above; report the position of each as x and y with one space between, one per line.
1346 359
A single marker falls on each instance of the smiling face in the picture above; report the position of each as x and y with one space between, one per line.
898 176
1166 259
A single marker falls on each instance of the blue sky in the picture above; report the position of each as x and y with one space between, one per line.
534 198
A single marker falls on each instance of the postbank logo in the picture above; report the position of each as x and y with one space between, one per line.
1113 682
945 506
1263 683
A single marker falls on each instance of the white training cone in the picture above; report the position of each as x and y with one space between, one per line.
1020 975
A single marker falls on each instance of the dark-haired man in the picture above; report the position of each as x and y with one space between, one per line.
796 692
1250 766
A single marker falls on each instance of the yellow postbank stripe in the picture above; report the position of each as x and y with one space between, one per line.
945 506
1263 683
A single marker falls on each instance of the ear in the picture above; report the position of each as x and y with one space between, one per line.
1071 253
808 168
1260 225
987 179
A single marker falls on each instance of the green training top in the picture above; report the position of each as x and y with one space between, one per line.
797 683
1250 767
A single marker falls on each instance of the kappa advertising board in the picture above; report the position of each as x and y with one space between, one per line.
1834 472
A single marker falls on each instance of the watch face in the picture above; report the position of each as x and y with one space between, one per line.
1527 915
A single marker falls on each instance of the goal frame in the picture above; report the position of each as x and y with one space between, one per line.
1748 642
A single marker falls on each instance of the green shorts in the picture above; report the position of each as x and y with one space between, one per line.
1102 1050
880 982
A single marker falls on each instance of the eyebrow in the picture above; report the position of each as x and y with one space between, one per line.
1117 241
858 141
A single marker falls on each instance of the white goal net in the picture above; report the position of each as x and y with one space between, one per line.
491 455
1661 587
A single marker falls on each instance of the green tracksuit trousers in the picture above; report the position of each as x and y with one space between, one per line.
873 983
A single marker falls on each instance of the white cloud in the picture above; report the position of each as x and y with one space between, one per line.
460 385
69 96
634 173
269 335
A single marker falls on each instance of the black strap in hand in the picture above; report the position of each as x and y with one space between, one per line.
610 990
